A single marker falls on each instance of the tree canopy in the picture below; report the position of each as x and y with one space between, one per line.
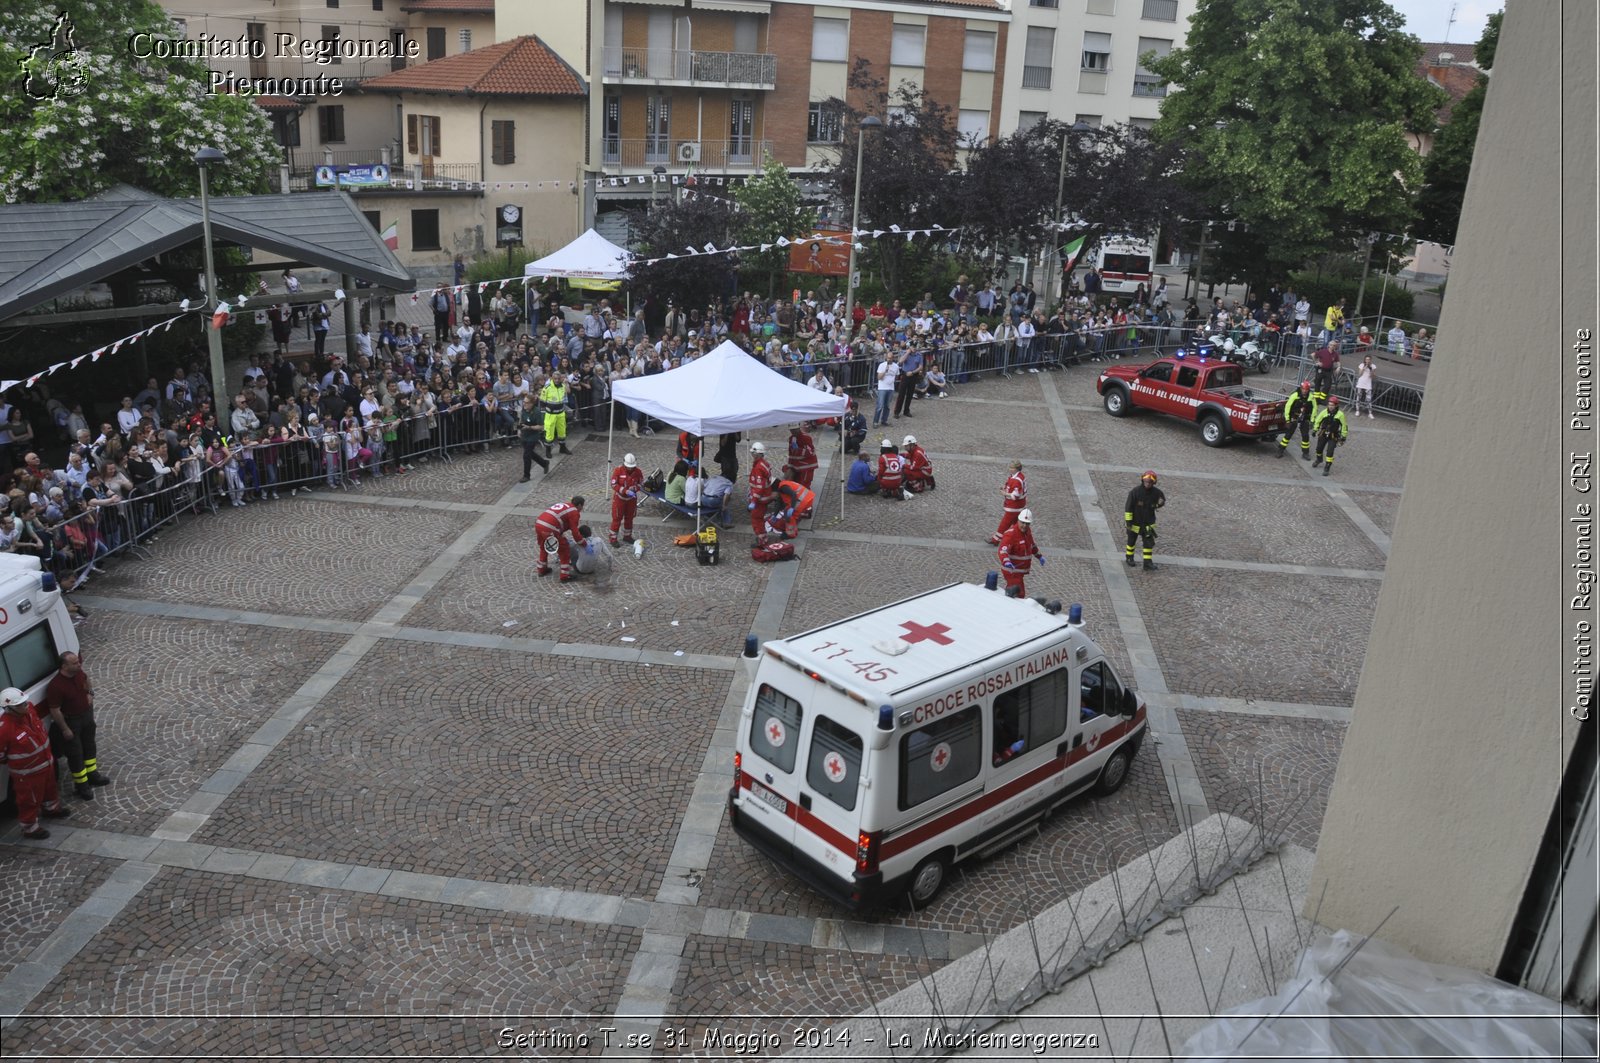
770 206
1445 170
80 114
1294 114
674 226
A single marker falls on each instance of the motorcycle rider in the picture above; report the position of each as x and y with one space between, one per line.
1332 429
1299 413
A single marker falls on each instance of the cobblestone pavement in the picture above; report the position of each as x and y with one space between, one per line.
345 788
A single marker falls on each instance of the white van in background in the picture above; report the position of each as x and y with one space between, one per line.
876 753
35 630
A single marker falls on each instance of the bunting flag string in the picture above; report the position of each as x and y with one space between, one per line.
785 241
96 354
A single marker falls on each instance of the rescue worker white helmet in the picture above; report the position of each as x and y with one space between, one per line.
11 697
629 461
758 448
887 444
910 441
1025 517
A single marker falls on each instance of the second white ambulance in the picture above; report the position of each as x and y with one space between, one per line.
876 753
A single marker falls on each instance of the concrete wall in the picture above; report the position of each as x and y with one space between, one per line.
1451 766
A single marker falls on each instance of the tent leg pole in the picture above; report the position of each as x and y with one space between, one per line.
843 472
611 431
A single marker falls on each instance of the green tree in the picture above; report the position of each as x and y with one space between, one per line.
80 115
673 228
1445 170
1294 114
768 207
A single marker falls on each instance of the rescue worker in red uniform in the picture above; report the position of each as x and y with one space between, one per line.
689 450
1298 414
25 749
1017 551
1016 500
627 480
1140 515
760 489
919 467
1332 429
794 501
556 536
802 456
891 472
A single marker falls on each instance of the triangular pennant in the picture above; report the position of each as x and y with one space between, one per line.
894 228
52 369
671 255
7 385
711 248
94 356
764 247
32 380
875 233
782 241
115 347
75 361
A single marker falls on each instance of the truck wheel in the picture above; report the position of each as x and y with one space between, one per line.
1212 430
1116 402
927 880
1114 774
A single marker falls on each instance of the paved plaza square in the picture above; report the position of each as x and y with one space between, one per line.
379 789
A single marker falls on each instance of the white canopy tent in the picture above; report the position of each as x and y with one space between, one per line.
589 257
727 391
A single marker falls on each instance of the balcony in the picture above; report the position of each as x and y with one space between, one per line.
679 66
676 153
427 176
1148 85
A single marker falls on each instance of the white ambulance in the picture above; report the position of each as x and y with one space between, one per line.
876 753
35 630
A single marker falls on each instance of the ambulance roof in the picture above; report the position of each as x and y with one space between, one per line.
15 568
892 649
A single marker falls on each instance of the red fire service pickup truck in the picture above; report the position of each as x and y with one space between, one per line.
1212 394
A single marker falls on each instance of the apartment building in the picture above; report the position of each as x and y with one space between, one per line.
1078 60
714 87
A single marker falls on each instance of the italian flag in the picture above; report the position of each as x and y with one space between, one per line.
391 236
1070 253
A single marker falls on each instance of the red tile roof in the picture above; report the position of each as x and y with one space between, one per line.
1455 75
279 103
522 66
470 7
1464 53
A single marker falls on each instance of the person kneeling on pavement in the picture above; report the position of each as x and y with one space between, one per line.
794 501
891 472
593 556
919 467
861 481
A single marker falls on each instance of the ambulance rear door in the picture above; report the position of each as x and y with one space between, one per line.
828 820
773 739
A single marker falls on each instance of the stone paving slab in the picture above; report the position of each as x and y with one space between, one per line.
1273 770
38 889
496 584
473 478
200 944
298 555
175 699
452 761
1247 522
1234 634
1382 507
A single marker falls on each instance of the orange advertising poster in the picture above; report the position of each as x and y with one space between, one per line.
829 255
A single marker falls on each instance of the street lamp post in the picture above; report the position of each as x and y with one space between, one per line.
869 122
1061 188
219 381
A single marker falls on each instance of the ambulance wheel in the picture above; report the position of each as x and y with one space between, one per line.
1114 774
1116 401
927 880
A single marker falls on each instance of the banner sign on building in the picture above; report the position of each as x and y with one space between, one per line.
829 256
374 176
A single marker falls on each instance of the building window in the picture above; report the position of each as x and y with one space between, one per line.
330 123
1160 10
1142 123
425 230
1043 3
1144 82
830 40
377 5
1029 119
422 135
901 116
330 39
503 142
465 37
373 218
333 3
1097 51
1093 121
657 128
905 47
1038 57
825 123
286 129
435 43
979 51
972 128
1102 7
611 128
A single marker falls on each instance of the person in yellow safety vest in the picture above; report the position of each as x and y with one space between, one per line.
553 401
1299 413
1332 429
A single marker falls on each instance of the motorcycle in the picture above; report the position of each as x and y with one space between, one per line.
1249 354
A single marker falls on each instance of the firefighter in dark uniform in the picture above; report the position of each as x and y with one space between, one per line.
1140 515
530 429
1332 429
1299 413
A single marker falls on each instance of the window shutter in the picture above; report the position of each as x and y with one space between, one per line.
411 134
433 133
510 146
497 147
